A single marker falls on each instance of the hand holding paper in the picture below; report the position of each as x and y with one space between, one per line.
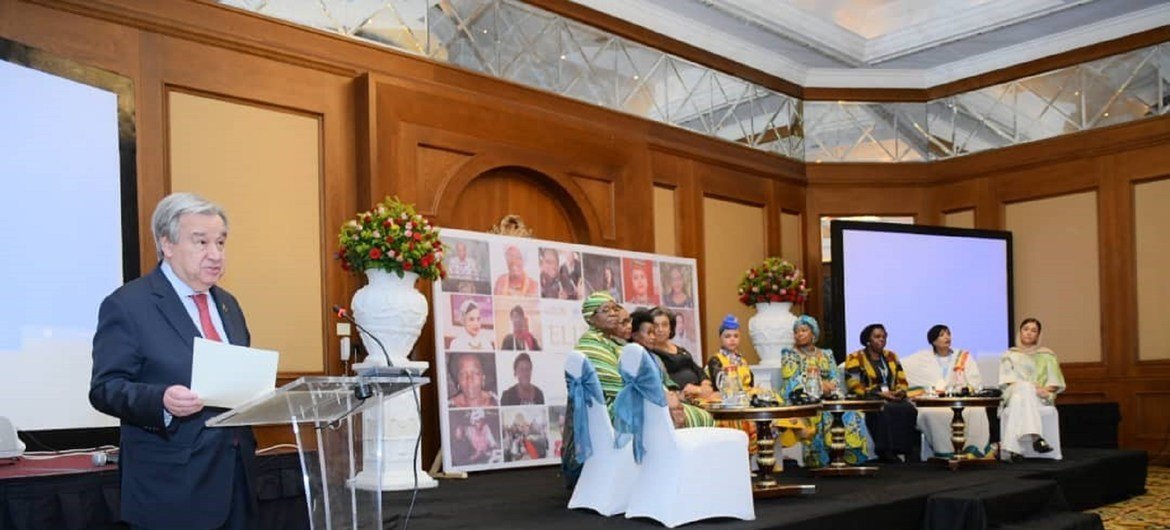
226 375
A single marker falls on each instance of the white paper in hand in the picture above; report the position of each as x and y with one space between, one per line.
226 375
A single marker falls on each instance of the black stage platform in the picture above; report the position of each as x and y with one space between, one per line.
1029 494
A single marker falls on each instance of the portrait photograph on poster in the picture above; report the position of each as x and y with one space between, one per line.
525 432
556 422
530 378
517 322
475 437
473 376
640 286
467 266
677 279
560 274
506 326
470 323
515 268
603 273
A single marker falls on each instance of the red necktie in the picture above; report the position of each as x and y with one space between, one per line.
209 332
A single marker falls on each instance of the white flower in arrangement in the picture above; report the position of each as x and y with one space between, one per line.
376 234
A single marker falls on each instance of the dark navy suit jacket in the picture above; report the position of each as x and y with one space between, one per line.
178 476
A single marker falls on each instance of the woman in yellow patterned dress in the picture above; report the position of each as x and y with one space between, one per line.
814 371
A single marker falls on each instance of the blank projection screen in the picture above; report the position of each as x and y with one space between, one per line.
62 231
910 277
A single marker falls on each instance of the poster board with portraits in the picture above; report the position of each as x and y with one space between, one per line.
507 314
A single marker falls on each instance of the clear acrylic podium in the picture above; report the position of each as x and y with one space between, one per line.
323 413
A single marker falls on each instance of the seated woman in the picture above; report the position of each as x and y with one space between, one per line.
684 414
874 372
610 326
1030 377
813 371
937 370
679 364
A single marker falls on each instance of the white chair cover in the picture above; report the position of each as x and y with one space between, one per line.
608 474
687 474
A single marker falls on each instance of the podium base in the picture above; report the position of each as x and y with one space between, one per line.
393 481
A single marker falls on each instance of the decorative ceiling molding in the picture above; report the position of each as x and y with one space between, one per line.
848 47
1114 28
957 26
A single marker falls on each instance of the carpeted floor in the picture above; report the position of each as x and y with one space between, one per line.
1148 511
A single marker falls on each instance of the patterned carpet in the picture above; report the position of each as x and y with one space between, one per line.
1149 511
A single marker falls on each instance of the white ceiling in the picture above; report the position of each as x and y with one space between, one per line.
887 43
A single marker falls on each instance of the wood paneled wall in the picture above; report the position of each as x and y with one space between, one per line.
466 148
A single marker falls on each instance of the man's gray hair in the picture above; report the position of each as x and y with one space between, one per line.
165 221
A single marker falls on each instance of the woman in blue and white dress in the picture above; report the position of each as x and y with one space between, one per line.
814 371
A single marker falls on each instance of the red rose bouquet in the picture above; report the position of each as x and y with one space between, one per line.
775 280
394 238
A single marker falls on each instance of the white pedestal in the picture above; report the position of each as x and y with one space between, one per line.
767 375
401 427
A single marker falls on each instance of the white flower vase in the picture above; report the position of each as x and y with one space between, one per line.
771 331
393 311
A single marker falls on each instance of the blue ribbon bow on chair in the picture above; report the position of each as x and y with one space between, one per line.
584 391
627 406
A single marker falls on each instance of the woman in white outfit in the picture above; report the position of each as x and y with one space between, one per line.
1030 377
939 370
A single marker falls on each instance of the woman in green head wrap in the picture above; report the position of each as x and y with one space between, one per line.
601 344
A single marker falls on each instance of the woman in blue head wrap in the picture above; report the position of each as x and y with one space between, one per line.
810 369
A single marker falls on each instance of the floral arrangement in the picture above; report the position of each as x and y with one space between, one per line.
394 238
775 280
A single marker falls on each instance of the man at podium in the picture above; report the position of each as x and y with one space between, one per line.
176 472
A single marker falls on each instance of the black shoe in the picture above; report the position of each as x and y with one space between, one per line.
1041 446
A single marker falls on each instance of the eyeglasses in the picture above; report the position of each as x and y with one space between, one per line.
610 308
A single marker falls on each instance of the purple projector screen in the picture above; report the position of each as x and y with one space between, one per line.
910 278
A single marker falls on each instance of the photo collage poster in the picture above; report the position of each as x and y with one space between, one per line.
506 316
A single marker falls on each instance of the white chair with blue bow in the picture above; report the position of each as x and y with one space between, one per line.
607 472
667 489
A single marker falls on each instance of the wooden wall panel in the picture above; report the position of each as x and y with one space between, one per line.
960 219
241 155
734 240
665 232
1056 272
1152 253
1151 408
